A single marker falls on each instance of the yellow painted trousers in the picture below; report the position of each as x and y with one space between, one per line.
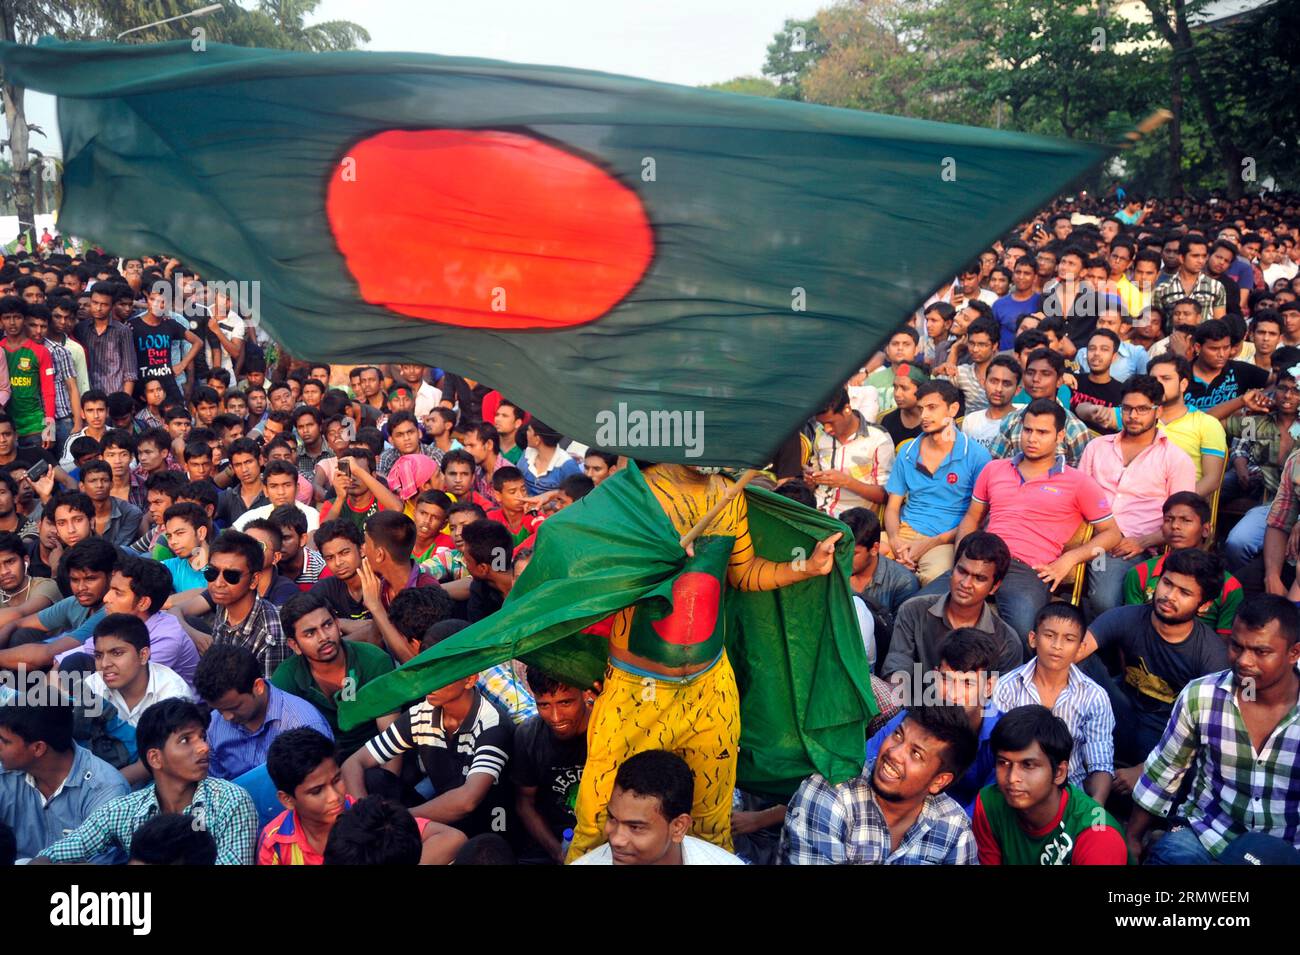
698 720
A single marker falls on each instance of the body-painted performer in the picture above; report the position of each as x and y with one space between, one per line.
668 684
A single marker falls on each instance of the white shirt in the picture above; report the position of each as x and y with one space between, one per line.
234 328
426 399
978 426
1285 269
865 400
264 510
694 852
164 684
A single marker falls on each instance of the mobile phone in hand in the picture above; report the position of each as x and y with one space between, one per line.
345 467
37 471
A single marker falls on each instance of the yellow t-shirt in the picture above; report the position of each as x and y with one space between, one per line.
1198 434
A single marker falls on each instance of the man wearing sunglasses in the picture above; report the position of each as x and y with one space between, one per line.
242 617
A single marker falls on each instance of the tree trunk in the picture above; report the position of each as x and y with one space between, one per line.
1229 153
16 119
1176 126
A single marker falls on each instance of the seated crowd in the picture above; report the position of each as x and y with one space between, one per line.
1070 481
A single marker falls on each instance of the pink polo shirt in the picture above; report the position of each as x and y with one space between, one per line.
1138 492
1035 518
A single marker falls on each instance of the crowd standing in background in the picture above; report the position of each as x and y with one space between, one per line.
1072 487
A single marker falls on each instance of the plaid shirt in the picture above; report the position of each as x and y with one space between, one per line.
63 370
110 357
842 825
1007 442
1235 790
1285 510
1209 294
390 456
260 632
224 809
1083 705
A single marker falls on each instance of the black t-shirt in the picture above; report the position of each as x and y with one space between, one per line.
893 423
1155 672
335 593
25 457
484 600
1088 392
1235 380
231 506
483 743
153 351
554 766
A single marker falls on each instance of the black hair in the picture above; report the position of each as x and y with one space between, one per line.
148 578
98 466
197 449
1024 726
545 434
505 473
225 667
120 404
13 544
191 513
288 517
299 605
172 838
1046 406
93 554
487 848
970 650
1146 386
172 412
577 486
118 438
415 609
205 395
487 433
1181 365
864 525
951 726
94 394
609 459
440 631
1204 567
1261 610
984 326
1032 339
160 720
362 452
485 540
836 402
466 507
943 309
295 754
310 412
158 437
981 545
1188 499
1211 330
1110 336
457 456
1060 610
204 492
543 684
282 468
245 446
1266 315
938 386
374 831
338 528
50 723
402 417
124 626
1009 363
662 775
436 498
237 542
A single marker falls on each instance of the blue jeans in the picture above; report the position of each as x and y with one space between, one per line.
1020 597
1179 847
1246 540
62 428
1106 583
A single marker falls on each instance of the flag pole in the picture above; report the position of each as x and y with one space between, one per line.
736 487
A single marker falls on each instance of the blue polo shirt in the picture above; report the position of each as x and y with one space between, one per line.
935 503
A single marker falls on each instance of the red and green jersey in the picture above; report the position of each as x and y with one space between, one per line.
1140 585
1083 833
31 380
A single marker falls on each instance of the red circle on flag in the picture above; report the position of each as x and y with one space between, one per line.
486 229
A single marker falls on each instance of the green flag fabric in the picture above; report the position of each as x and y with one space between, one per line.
805 689
672 273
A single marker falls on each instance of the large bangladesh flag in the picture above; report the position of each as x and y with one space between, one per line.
805 689
671 273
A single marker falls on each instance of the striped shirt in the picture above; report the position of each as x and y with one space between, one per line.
842 825
236 750
63 370
1234 789
481 744
1084 707
110 357
226 811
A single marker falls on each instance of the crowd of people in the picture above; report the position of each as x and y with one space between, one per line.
1070 482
